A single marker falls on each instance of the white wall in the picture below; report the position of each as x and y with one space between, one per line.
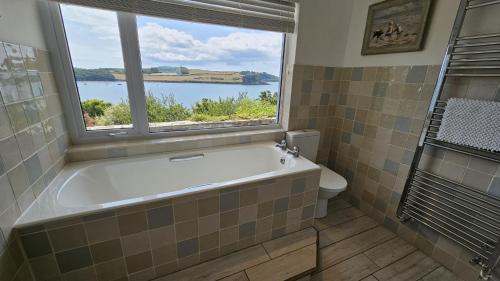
20 23
322 36
442 17
330 33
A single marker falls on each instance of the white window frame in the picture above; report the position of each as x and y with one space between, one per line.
57 42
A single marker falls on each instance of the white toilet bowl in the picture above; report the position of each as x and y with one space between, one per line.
330 184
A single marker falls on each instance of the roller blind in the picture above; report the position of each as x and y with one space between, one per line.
271 15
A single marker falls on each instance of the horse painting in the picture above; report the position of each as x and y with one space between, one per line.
395 26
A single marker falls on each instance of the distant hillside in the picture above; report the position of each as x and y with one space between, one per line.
99 74
258 78
172 74
163 69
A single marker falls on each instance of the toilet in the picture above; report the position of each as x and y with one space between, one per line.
330 183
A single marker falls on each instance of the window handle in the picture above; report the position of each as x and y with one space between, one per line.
117 134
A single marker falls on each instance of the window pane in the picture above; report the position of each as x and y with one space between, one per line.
96 53
208 76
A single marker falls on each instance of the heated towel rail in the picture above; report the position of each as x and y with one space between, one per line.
466 215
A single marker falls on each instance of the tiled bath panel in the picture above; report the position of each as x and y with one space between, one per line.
377 119
146 241
33 141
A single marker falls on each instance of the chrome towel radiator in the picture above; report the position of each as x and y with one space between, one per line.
466 215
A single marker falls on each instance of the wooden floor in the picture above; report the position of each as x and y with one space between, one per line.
356 247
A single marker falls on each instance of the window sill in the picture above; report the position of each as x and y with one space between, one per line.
85 152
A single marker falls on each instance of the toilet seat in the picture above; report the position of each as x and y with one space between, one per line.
331 181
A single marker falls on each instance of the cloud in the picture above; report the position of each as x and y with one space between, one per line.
101 23
93 37
94 40
168 45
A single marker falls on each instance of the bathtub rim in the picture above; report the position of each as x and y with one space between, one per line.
69 169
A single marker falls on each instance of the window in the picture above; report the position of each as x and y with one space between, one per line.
207 75
144 75
96 54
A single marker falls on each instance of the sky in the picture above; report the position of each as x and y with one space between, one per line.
94 42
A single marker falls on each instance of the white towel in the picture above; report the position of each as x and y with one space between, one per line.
474 123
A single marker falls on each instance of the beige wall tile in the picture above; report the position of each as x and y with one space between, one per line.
185 211
186 230
247 214
208 224
135 243
68 237
162 236
102 230
208 206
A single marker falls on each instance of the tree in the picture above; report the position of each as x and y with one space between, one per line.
257 78
182 70
118 114
267 96
99 74
222 107
95 107
165 109
162 109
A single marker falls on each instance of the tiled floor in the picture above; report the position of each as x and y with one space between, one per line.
355 247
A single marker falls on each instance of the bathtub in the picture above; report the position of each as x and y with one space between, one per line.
84 188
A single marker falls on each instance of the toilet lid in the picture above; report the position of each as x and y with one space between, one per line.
331 180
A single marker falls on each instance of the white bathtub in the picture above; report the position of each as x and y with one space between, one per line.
93 186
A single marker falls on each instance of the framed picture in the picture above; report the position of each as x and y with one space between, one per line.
395 26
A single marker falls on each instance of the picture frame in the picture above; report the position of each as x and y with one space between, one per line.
395 26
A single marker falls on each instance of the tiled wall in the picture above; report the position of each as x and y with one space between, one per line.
312 103
33 141
146 241
378 116
146 146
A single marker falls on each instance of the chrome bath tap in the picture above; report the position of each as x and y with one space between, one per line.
295 151
282 145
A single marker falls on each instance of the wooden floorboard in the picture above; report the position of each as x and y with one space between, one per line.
345 230
221 267
353 269
286 266
370 278
338 217
291 242
240 276
347 248
411 267
338 204
355 247
389 252
440 274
